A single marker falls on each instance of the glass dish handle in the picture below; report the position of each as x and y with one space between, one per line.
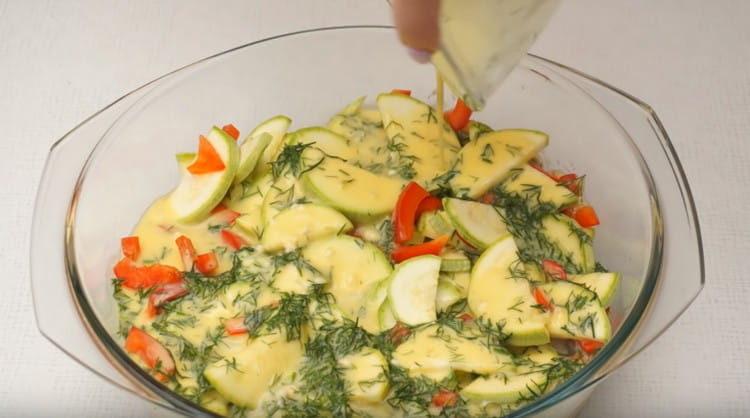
56 313
681 276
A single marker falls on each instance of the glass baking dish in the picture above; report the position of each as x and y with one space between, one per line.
102 175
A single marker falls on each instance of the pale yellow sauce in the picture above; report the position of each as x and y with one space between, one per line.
439 93
495 293
424 140
434 351
256 372
158 231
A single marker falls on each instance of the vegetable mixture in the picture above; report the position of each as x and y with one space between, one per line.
397 262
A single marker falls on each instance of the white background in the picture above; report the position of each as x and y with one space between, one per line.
60 61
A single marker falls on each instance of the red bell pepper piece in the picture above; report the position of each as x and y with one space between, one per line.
541 299
233 240
231 130
207 263
405 212
151 310
235 326
163 294
487 198
144 277
567 178
539 168
571 181
444 398
399 333
590 346
553 269
459 117
405 92
187 251
167 293
220 207
151 352
131 247
466 317
208 160
584 215
227 215
433 247
428 204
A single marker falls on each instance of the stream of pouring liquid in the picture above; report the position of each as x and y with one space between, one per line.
439 93
481 41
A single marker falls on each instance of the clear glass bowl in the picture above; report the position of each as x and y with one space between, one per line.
101 176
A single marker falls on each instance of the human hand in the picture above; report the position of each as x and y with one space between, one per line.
417 26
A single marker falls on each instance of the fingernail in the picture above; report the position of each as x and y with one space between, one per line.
419 55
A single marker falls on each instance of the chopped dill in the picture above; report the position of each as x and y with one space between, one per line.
440 185
292 257
515 306
524 215
386 236
492 332
487 153
288 317
321 376
287 198
394 123
401 163
291 161
216 228
450 317
414 394
513 149
588 322
207 287
430 115
577 301
158 258
406 170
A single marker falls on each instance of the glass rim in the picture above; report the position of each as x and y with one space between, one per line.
582 379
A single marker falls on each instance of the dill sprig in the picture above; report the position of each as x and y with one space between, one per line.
440 186
198 358
291 161
401 162
523 215
385 242
562 368
345 337
359 127
207 287
451 317
323 388
292 257
413 395
487 153
285 198
492 333
157 259
287 317
577 301
126 314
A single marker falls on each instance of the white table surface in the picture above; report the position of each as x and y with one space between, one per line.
60 61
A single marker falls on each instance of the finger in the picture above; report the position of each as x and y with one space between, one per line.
417 24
